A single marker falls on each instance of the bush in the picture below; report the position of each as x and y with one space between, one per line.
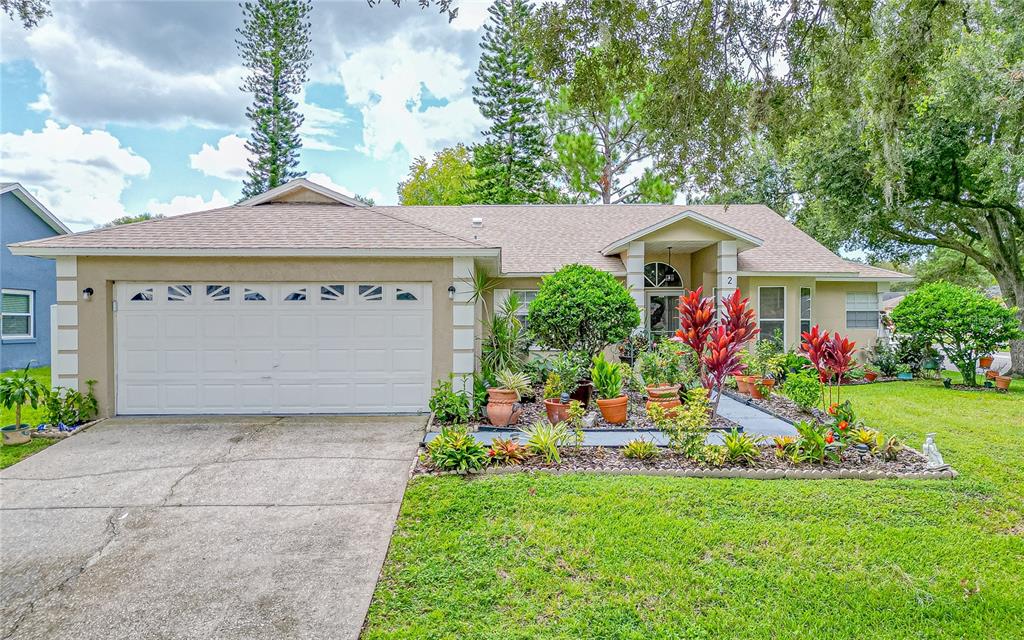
741 448
607 378
685 426
62 405
803 388
579 308
885 359
455 449
668 363
964 322
640 449
505 344
449 406
544 438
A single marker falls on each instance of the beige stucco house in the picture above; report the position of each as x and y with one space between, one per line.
303 300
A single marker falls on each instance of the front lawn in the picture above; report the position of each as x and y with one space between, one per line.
525 556
10 455
28 414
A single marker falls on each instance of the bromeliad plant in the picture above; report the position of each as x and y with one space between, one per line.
717 344
455 449
831 356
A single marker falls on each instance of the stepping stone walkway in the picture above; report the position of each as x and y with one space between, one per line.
751 420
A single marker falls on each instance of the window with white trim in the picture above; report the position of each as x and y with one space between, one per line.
660 275
805 309
525 296
861 310
771 312
16 313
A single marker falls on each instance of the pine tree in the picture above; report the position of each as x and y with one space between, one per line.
275 47
508 163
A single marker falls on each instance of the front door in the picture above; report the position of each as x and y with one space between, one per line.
662 314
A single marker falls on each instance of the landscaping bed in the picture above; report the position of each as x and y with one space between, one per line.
908 463
533 410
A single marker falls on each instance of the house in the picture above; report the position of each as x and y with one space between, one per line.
302 300
28 283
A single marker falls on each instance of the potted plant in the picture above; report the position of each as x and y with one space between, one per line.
1003 383
985 362
870 375
607 379
503 406
991 374
17 390
903 372
664 370
556 398
571 370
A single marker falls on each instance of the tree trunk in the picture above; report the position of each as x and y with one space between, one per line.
1012 290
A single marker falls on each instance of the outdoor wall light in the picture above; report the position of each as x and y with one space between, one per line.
87 293
451 292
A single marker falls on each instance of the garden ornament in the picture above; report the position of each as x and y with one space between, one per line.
930 451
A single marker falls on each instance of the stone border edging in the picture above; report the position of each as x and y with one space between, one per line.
64 435
731 472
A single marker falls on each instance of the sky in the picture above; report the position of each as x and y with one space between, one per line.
118 108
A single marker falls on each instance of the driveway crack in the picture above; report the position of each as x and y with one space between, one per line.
110 535
251 433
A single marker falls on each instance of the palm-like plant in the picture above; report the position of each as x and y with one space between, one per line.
19 389
506 343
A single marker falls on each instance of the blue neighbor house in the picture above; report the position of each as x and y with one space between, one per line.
29 285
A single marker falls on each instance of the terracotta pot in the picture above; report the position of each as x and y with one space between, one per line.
557 412
991 374
743 384
870 376
614 410
755 393
1003 382
985 362
768 382
666 396
583 393
502 407
663 391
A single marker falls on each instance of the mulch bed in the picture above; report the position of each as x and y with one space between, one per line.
768 465
637 417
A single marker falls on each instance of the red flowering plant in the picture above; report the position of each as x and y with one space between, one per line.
716 343
831 356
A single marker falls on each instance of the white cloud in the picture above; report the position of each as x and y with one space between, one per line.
88 80
472 15
389 82
187 204
325 180
320 126
79 175
228 159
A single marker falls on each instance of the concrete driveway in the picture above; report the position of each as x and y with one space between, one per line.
254 527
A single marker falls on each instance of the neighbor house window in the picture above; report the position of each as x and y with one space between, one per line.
861 310
771 306
525 296
16 314
805 309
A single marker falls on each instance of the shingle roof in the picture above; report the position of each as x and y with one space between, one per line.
268 226
532 238
542 238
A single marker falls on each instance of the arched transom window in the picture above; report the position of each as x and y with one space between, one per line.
659 274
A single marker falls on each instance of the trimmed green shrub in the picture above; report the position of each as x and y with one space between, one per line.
579 308
449 406
803 388
964 322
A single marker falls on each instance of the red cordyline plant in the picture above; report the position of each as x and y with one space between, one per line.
717 344
832 357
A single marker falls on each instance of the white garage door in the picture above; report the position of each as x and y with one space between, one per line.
229 347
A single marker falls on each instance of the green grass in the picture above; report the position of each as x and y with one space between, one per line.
540 556
11 455
28 414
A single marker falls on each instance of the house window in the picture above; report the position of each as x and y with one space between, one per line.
525 296
662 315
771 306
659 274
16 314
805 309
861 310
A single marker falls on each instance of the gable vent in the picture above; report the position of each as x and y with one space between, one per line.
478 222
